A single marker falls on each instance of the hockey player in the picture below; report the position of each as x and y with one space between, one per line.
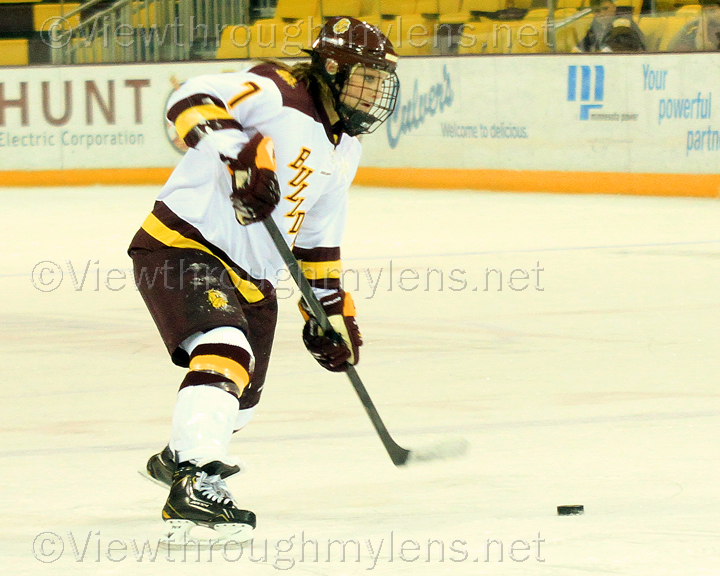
272 141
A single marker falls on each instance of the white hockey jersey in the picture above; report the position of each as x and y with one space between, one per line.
217 114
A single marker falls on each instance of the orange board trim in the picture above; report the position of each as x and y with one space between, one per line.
690 185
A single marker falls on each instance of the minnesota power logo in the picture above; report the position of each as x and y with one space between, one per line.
589 88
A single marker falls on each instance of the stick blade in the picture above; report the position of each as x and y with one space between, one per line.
440 450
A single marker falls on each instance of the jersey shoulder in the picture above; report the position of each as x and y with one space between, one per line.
294 94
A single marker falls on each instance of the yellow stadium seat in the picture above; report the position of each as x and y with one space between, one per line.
272 39
410 34
370 8
680 4
529 37
477 37
234 43
415 27
471 10
44 15
14 52
537 14
354 8
397 7
483 5
332 8
285 34
673 25
499 39
437 7
689 10
653 27
576 4
297 9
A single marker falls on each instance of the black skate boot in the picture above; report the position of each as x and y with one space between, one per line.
200 497
161 467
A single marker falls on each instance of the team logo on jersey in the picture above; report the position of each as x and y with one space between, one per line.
217 299
341 26
289 78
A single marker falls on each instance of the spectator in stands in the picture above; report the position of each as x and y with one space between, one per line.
605 15
510 12
622 38
700 34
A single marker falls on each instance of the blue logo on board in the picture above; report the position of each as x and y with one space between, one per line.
591 85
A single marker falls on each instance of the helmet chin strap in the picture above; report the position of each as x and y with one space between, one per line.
354 121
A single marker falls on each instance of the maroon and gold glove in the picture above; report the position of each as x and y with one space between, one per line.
256 191
334 351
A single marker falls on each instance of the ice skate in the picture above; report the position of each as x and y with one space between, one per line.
160 468
200 497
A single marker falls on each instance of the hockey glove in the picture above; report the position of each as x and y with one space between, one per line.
333 351
256 191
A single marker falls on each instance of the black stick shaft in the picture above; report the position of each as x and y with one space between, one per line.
398 454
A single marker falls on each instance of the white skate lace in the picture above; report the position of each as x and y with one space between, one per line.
214 488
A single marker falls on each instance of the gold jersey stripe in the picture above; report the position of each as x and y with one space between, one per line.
169 237
321 270
188 119
221 365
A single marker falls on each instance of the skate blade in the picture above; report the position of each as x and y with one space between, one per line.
155 481
179 537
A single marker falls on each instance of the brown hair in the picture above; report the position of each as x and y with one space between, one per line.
309 75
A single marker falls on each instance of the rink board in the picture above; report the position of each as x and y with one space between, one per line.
629 123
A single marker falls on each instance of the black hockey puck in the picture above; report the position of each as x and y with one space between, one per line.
570 510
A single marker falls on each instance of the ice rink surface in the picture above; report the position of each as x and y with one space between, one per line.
573 341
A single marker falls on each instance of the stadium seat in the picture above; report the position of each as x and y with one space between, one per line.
397 7
46 14
653 27
689 10
478 38
473 10
437 8
291 10
268 39
332 8
673 25
528 36
234 43
295 24
575 4
14 52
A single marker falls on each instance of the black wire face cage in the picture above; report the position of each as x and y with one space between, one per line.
364 121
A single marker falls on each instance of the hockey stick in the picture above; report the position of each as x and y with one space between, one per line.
399 455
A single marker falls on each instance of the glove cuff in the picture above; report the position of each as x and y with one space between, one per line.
339 303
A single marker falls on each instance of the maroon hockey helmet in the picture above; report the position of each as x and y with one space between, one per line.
343 44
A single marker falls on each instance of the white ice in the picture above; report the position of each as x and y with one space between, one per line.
588 375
